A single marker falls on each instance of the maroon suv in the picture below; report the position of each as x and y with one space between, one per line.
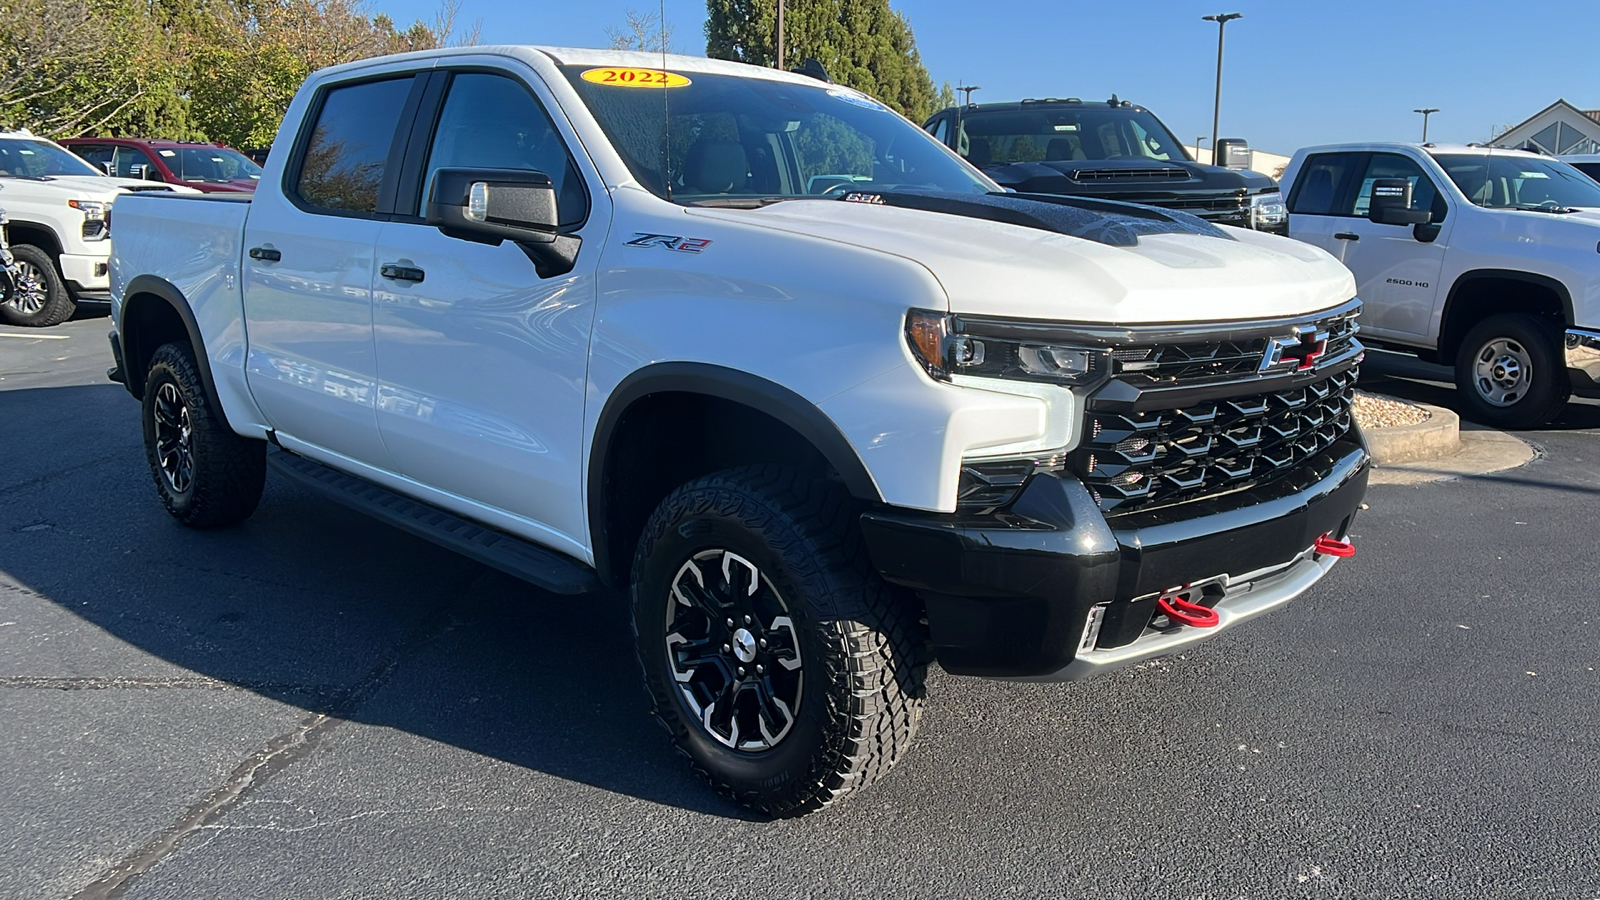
213 168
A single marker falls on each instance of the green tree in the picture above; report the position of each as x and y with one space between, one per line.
862 43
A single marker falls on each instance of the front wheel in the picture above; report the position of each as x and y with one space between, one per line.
206 475
784 668
1510 372
40 298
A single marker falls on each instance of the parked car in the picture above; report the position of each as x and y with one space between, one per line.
209 168
756 349
1471 256
1112 150
1588 164
60 221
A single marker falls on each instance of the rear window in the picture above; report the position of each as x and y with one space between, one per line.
344 161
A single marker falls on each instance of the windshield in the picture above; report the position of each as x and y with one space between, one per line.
1520 182
27 158
1065 133
209 164
729 137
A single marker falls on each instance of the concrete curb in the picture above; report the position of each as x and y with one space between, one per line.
1438 437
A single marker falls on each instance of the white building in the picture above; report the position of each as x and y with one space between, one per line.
1269 164
1558 129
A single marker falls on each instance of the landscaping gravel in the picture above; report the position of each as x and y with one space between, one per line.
1373 411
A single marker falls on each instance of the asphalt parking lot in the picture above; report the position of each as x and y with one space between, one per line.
314 705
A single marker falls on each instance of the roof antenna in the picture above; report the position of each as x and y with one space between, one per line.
1113 101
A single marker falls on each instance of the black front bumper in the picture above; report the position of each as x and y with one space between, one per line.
1008 594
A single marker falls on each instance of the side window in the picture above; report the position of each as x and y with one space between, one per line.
1424 195
494 122
1322 181
344 160
132 163
940 129
97 155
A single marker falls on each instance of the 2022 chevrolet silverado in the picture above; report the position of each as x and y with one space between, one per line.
822 398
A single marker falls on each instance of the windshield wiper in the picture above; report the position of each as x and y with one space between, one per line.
1557 210
738 202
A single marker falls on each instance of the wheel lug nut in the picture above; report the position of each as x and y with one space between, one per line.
760 669
730 623
763 643
747 620
741 671
726 648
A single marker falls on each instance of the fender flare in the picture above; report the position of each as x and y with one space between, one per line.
166 292
723 383
1465 278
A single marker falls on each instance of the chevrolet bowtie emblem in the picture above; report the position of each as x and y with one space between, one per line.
1297 352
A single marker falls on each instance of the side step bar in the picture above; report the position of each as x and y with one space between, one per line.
543 568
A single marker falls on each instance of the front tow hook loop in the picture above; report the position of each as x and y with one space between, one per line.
1328 545
1182 611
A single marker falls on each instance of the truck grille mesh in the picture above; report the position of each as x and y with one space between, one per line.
1199 363
1137 460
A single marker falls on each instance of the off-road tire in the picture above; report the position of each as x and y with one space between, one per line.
863 645
1548 387
227 473
58 304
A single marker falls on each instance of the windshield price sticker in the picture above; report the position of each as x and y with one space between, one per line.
618 76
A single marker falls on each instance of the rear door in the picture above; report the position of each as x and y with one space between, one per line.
482 363
309 268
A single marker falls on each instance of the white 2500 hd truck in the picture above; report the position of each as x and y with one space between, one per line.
1475 257
824 400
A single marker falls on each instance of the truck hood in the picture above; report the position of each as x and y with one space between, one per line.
1193 272
1140 180
94 186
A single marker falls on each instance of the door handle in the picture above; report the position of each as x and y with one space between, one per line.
265 253
1347 236
401 273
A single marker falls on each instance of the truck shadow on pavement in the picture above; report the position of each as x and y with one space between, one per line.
319 607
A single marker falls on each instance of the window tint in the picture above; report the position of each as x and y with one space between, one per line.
1590 169
1322 182
940 130
343 164
132 163
96 155
1424 195
493 122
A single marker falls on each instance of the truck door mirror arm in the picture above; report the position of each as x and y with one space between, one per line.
488 206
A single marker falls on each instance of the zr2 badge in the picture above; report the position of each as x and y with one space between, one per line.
670 242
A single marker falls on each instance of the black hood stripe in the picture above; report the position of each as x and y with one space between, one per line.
1107 222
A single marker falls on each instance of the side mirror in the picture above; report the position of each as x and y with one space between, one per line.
489 206
151 173
1391 204
138 171
110 168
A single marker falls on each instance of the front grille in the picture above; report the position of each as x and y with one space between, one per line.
1137 460
1202 362
1130 175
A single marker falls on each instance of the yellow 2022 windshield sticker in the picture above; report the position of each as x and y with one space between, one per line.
620 76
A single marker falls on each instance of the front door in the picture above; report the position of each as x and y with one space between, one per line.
1397 274
308 274
482 363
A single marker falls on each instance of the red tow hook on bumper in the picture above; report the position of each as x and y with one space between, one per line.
1327 545
1183 612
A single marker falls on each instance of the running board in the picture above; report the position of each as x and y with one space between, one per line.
523 559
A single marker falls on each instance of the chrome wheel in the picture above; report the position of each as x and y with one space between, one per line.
174 438
733 651
1503 371
32 289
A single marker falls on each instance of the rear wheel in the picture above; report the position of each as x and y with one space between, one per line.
41 298
784 668
1510 373
206 475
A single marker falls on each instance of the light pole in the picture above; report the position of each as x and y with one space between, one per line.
1222 20
1425 114
780 34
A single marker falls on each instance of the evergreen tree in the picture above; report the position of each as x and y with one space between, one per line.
862 43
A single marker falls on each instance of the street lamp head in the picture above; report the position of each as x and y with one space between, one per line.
1223 18
1431 109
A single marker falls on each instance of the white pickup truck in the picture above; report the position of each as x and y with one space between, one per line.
1476 257
59 209
750 346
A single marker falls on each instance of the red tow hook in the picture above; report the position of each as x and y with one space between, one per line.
1327 545
1182 611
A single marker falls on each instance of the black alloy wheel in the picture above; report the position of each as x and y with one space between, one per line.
206 475
786 671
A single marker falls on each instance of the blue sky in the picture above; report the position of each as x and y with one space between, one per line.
1297 72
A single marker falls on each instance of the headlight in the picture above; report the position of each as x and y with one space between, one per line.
1267 210
93 210
949 346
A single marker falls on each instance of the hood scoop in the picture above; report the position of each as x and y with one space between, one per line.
142 188
1113 175
1102 221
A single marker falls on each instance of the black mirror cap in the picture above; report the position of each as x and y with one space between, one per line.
494 205
1390 204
